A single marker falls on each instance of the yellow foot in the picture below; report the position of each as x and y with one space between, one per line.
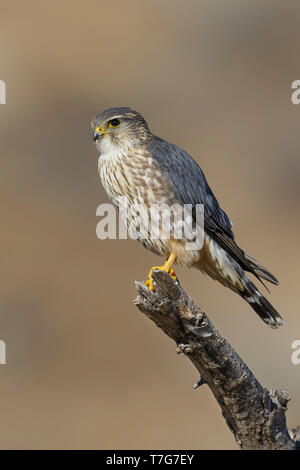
170 271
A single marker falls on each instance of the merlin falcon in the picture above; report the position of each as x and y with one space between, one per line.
137 166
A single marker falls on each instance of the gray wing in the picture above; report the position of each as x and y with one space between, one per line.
189 183
190 187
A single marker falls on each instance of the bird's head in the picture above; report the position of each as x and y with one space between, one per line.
118 128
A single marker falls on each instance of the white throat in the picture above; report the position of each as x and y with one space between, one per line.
111 153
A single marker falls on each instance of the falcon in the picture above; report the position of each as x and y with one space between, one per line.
137 166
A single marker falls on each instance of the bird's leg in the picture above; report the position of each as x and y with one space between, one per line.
166 267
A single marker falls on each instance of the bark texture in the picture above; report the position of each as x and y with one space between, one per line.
254 414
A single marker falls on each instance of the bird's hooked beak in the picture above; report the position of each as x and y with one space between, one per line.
99 133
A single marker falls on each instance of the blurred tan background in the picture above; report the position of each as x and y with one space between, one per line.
84 368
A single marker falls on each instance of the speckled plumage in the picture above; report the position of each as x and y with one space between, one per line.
136 165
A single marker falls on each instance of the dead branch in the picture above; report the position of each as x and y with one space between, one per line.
254 414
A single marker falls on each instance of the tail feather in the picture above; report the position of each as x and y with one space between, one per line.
260 304
261 271
223 267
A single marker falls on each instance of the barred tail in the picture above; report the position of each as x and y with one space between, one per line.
223 267
261 306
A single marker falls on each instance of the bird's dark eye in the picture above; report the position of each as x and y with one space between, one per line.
114 123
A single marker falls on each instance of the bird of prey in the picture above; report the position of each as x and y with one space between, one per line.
139 166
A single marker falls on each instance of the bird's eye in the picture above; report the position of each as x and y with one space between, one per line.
114 123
